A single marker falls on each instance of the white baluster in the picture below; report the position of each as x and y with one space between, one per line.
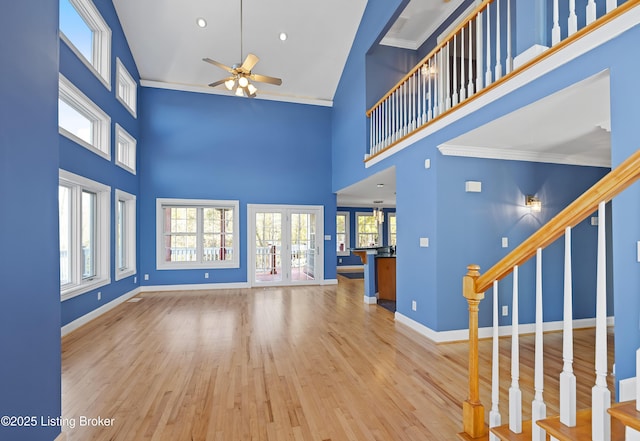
591 12
555 30
371 139
403 109
413 84
515 395
567 378
600 394
498 43
440 83
447 82
494 416
573 18
424 96
463 80
488 78
538 408
470 86
479 54
454 94
431 100
509 59
611 5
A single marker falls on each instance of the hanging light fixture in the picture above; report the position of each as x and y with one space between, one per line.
378 213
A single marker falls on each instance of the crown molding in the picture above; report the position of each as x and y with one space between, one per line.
519 155
211 91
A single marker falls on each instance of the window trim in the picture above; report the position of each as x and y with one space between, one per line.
124 78
100 65
78 183
347 238
130 234
368 214
74 97
161 203
131 145
389 216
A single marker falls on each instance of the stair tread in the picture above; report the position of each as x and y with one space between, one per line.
582 429
626 413
505 434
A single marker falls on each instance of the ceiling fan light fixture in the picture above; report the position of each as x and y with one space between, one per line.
243 82
252 89
229 84
239 91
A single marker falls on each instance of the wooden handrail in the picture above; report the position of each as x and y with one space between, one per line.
604 190
435 50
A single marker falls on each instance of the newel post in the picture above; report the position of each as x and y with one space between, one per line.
472 408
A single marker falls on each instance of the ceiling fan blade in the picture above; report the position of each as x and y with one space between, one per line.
220 65
217 83
266 79
249 63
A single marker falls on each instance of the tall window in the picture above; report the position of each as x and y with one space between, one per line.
125 210
197 234
391 222
82 121
84 30
342 233
368 230
84 234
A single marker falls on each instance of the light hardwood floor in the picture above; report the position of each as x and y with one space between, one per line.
303 363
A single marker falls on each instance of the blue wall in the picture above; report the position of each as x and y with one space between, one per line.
79 160
200 146
29 268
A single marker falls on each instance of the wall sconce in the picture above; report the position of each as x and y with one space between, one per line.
533 203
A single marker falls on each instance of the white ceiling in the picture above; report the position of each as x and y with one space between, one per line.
368 193
168 46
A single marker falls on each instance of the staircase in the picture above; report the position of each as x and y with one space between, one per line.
590 424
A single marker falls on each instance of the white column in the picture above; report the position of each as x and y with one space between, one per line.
515 395
498 43
470 86
600 394
494 416
555 30
573 18
488 78
509 59
538 407
567 378
591 12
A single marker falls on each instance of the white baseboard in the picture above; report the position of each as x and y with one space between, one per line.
195 286
370 300
463 334
329 282
349 268
72 326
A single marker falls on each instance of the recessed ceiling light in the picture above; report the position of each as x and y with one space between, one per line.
380 185
283 36
201 22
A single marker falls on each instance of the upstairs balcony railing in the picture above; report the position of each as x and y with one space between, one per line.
476 55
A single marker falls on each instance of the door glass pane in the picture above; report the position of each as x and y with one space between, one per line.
303 246
268 256
64 214
88 235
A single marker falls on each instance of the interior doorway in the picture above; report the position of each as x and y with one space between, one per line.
285 244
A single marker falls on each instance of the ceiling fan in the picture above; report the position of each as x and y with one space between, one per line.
241 75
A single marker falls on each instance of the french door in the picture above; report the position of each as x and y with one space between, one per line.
285 244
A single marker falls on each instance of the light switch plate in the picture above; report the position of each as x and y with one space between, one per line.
424 242
505 242
473 186
427 163
594 221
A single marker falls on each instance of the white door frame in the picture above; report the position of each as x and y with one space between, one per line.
286 210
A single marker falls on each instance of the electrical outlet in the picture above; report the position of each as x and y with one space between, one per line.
99 295
340 260
146 277
505 310
414 305
135 279
505 242
206 275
